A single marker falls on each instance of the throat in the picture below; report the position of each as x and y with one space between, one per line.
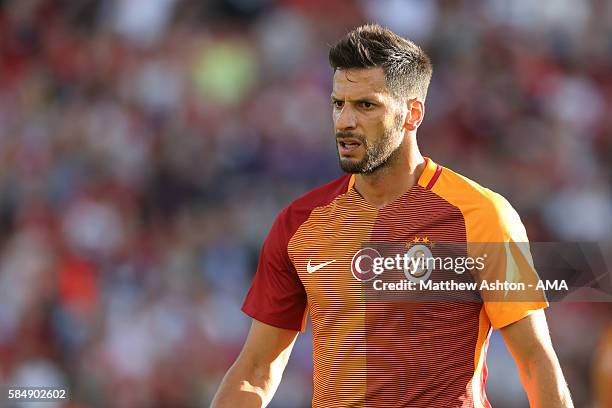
383 187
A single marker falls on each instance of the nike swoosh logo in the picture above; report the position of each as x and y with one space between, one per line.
313 268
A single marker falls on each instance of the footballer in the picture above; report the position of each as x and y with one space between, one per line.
386 353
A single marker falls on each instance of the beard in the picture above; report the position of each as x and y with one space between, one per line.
377 155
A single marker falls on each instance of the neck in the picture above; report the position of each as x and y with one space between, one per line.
395 178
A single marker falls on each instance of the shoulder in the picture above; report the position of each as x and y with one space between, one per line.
322 195
318 197
293 215
466 193
485 211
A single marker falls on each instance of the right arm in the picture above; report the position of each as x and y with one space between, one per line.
254 377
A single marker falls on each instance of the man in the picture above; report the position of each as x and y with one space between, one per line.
384 352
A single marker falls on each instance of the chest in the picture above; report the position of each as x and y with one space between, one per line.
335 251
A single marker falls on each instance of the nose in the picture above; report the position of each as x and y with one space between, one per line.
345 119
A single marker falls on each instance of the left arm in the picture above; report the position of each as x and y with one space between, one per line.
529 342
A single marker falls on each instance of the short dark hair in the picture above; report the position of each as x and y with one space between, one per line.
406 66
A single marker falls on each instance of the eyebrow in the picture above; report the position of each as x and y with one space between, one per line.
367 98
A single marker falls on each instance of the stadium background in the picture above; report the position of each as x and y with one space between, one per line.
147 145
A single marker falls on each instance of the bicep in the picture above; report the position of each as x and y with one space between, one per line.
253 378
267 346
528 338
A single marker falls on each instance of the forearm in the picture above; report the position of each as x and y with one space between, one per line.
544 383
246 387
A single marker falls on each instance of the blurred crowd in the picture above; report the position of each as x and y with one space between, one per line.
147 145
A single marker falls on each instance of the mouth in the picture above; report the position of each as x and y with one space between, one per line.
347 146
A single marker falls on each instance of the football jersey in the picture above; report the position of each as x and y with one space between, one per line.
377 351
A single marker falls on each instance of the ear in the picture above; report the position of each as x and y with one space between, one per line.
416 111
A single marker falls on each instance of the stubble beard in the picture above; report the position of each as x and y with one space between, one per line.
377 156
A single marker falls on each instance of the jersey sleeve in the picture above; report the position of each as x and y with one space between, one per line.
508 282
277 296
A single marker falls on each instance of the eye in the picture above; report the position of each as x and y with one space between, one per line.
367 105
337 104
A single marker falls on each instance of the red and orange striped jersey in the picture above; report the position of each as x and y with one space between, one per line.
384 352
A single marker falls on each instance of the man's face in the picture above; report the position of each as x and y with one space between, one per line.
368 121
